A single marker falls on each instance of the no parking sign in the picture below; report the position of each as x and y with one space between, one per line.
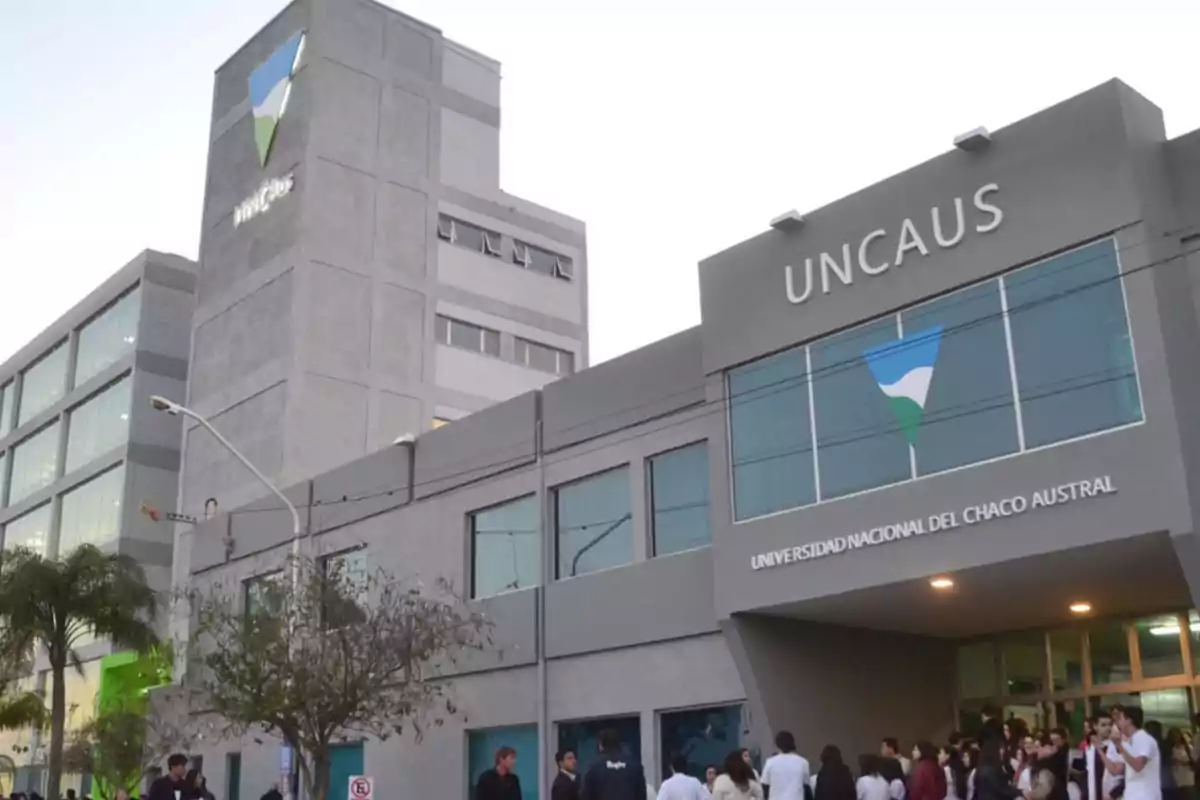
362 787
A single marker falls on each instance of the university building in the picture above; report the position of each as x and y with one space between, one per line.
932 445
80 454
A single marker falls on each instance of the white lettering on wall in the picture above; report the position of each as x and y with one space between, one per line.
260 202
972 514
909 241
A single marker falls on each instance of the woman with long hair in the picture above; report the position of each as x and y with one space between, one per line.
737 781
928 780
956 772
834 780
1179 752
991 781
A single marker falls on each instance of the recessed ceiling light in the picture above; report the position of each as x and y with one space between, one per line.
1080 607
941 583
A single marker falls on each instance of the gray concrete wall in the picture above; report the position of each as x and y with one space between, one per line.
313 343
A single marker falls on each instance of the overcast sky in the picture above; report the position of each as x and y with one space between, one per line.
675 128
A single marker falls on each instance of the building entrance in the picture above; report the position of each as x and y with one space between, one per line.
1059 677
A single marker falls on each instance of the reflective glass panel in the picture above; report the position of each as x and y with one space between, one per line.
771 435
1066 659
594 524
702 735
31 530
43 384
861 433
99 425
968 414
1159 646
91 512
1071 345
506 547
977 675
679 499
35 464
108 337
583 737
1109 646
1024 659
481 755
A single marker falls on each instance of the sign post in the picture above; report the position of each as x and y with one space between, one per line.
362 787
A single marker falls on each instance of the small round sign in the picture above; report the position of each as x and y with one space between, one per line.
360 789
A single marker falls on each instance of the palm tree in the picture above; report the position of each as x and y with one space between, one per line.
54 604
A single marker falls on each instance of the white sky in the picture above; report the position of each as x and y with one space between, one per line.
675 128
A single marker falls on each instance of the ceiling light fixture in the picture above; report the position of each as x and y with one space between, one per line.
941 583
1080 607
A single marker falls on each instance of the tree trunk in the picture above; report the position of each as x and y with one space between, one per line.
320 779
58 714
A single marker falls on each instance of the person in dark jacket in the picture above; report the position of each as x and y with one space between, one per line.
991 781
928 781
273 793
566 782
1055 758
992 728
171 786
500 782
613 777
834 779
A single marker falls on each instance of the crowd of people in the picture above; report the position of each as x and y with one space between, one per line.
1120 757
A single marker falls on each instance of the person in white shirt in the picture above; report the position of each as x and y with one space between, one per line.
871 785
1138 752
681 786
1100 751
785 774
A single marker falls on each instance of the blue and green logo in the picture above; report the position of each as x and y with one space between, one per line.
270 87
904 369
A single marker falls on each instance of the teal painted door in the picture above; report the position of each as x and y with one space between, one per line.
481 755
344 761
233 772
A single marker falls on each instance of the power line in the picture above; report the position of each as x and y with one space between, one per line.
729 401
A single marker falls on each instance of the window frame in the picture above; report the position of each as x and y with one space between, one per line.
323 567
651 526
75 382
521 356
63 345
999 277
555 492
253 580
471 545
485 334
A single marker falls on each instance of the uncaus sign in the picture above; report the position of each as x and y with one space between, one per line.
883 249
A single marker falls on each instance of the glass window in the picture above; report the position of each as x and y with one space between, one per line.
703 736
679 499
467 336
770 435
543 357
1159 648
99 425
3 460
43 384
1066 659
861 431
967 414
505 547
1071 346
35 464
108 337
977 675
1109 646
1071 714
593 523
1171 707
348 572
584 736
91 513
1024 658
481 755
262 596
31 530
6 408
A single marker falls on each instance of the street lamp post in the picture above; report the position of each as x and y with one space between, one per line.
175 409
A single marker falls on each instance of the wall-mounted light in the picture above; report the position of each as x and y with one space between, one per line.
788 221
941 583
973 140
1080 607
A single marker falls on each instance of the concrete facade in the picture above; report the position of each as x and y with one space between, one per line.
145 354
315 339
854 645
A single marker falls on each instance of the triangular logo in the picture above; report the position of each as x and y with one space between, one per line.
270 86
903 369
